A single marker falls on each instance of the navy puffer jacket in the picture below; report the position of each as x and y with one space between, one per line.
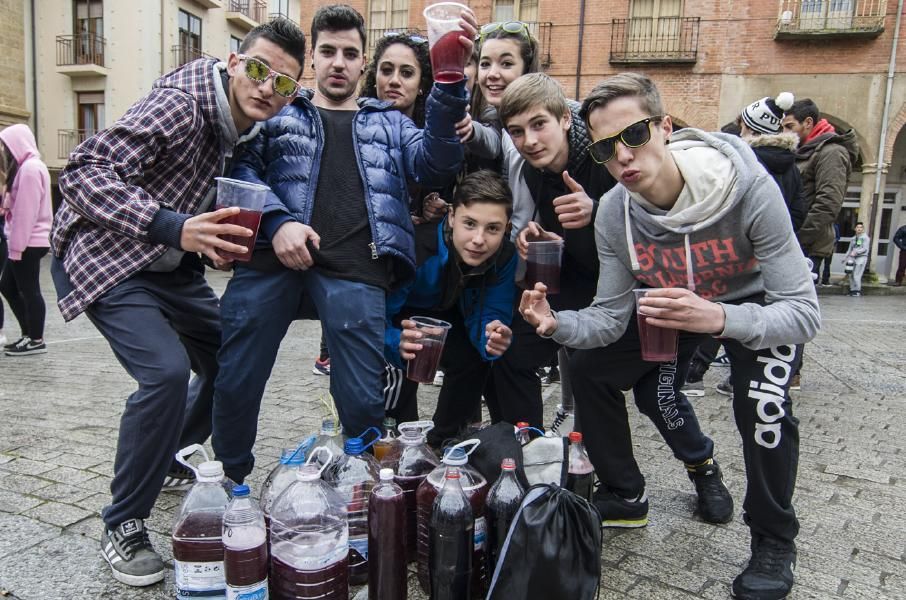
390 150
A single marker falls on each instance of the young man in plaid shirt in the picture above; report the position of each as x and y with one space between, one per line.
126 242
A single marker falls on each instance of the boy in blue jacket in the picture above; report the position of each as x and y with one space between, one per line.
466 276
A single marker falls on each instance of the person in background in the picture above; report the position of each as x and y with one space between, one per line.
126 240
899 240
825 159
858 251
3 250
27 210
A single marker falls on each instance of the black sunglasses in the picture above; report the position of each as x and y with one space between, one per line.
634 136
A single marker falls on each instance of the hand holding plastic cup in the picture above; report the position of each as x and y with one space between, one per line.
542 264
423 367
249 197
448 55
659 344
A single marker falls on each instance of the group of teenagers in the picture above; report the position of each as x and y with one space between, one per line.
401 197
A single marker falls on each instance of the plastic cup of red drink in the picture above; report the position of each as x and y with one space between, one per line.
658 343
542 264
448 56
423 367
249 197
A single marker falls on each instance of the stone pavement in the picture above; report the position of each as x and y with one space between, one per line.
58 427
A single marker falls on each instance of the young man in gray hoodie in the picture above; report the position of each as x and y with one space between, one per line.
702 219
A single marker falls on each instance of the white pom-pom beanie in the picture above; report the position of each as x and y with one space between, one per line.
765 115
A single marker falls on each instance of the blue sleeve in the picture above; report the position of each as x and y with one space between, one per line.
433 156
395 302
498 305
251 165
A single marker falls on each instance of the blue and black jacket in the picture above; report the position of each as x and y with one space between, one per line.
482 294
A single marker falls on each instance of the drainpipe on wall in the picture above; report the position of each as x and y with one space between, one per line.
34 69
163 40
581 38
877 202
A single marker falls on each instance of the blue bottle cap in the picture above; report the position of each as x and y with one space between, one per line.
240 491
354 446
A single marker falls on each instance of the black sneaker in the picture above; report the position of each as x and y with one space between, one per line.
26 347
130 555
179 478
715 504
14 344
617 511
771 570
721 361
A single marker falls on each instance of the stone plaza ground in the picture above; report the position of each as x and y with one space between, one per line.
59 414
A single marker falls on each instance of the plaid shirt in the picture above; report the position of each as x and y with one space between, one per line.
164 152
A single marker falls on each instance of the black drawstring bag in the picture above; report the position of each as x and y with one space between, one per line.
553 549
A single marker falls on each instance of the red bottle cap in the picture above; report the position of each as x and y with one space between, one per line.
521 424
508 464
575 437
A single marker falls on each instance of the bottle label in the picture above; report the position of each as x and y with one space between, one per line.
257 591
194 577
481 533
361 546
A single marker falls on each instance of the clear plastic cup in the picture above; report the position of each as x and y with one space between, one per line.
423 367
249 197
659 344
448 57
542 264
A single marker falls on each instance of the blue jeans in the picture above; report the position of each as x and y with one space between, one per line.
256 311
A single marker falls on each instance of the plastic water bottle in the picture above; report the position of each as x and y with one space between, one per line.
504 498
522 433
387 540
244 548
414 460
581 477
310 539
387 443
475 487
329 437
282 476
354 476
450 547
197 541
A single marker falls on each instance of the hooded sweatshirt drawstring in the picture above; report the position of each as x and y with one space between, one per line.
634 257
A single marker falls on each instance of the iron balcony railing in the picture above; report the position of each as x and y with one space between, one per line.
68 139
256 10
655 40
800 18
277 15
80 49
183 53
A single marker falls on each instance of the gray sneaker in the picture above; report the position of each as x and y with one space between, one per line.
128 551
694 388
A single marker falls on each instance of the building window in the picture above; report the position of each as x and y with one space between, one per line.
235 42
89 28
91 113
516 10
189 37
655 26
388 14
279 8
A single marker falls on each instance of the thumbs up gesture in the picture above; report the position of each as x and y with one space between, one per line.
574 209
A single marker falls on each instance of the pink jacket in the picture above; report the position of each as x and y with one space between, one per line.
27 202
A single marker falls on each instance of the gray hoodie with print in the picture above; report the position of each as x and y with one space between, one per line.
728 238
